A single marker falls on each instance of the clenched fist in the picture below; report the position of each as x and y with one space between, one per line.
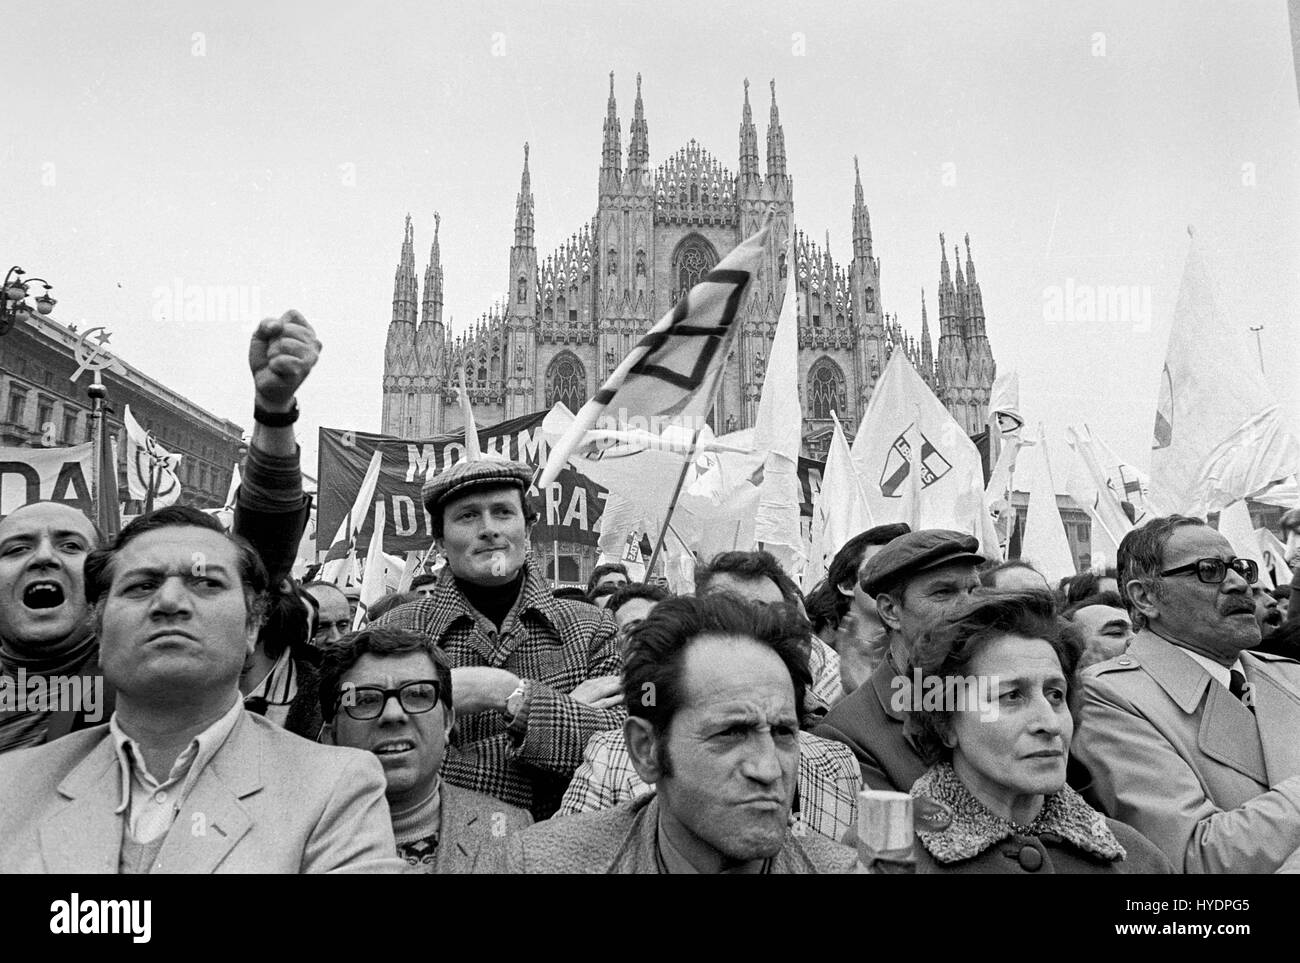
281 354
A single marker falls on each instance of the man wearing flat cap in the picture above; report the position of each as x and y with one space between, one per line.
534 677
916 580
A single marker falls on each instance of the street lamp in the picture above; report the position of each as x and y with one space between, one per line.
14 294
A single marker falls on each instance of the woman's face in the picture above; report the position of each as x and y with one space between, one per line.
1012 753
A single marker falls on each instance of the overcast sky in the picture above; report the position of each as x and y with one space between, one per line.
275 148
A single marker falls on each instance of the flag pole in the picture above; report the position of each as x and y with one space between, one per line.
555 562
97 392
663 529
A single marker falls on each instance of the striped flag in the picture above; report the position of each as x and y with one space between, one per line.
345 539
672 375
373 587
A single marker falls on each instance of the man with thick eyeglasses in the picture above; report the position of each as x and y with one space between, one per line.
388 691
1190 738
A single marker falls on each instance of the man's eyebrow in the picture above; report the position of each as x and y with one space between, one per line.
183 570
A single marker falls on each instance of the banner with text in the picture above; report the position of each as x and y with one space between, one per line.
55 474
569 510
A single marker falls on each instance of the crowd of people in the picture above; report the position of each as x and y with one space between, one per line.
228 719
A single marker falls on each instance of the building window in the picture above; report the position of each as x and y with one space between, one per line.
203 477
566 382
17 404
694 259
573 315
69 427
44 414
826 389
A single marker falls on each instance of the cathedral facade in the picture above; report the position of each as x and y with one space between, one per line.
569 318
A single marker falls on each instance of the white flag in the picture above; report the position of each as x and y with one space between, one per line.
150 468
903 414
1235 525
1219 434
778 432
472 452
672 374
1096 493
1044 543
1274 554
345 539
840 509
373 586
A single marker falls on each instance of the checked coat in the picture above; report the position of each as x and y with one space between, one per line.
554 645
828 782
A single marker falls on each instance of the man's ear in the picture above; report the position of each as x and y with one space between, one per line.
887 607
1143 596
327 733
640 738
448 720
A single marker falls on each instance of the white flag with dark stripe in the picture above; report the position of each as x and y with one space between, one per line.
670 378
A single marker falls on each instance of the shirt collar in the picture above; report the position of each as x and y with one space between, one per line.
1221 673
189 763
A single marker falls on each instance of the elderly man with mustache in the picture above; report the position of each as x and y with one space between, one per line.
1188 735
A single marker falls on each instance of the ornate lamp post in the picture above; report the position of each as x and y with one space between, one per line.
14 295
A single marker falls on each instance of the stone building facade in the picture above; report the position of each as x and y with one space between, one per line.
570 317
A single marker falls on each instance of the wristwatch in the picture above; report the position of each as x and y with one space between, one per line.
515 701
275 419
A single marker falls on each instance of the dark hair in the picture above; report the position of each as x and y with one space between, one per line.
947 650
291 618
1072 588
600 571
600 591
844 566
826 606
570 593
747 567
252 573
340 656
525 504
989 571
829 604
428 578
390 601
636 590
1141 556
656 650
1281 592
1099 598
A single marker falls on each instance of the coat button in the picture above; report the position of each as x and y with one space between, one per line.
1031 860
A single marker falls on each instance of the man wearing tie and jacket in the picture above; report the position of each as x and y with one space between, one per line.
1190 738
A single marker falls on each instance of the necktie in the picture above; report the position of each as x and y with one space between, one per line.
1238 686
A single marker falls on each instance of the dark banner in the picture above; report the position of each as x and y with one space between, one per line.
570 509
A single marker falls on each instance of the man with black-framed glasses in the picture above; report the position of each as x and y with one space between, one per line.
1189 736
388 691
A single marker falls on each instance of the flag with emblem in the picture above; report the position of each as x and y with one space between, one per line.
150 468
671 376
907 429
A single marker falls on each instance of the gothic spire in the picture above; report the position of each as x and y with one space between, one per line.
775 141
947 294
524 208
433 277
404 284
927 346
748 141
861 217
638 152
611 153
974 297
